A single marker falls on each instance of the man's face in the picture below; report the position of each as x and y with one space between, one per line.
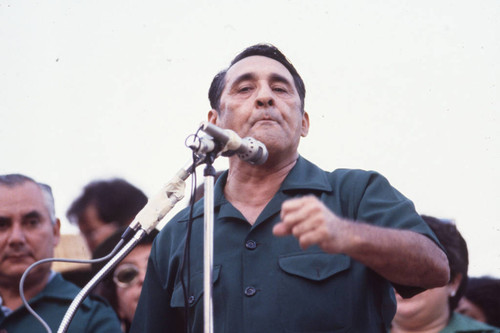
26 232
260 100
430 306
93 228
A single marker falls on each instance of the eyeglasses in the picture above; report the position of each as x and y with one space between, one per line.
126 275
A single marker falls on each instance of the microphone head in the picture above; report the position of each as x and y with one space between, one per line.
253 151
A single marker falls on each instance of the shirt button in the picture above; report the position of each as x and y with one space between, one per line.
250 291
250 244
191 299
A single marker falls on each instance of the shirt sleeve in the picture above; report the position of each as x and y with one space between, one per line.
380 204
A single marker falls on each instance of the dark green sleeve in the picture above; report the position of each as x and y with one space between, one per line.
377 202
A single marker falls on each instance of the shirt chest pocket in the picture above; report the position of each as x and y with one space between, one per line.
315 292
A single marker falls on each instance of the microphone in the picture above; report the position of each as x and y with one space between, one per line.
248 149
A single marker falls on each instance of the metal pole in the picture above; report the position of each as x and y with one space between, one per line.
208 247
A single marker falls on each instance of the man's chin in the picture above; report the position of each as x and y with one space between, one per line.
17 270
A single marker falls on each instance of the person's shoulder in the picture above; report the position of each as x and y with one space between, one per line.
68 289
354 173
97 315
59 285
463 324
355 176
341 173
175 227
183 216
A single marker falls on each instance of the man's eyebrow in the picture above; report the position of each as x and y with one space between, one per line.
32 214
243 77
274 77
4 219
280 78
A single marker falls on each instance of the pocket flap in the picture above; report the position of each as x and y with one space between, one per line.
196 287
314 266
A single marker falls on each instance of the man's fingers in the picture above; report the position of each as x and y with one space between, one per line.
281 229
295 204
315 236
305 227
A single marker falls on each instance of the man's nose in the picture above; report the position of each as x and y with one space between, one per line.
17 234
265 97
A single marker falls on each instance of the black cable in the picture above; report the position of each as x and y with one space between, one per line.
186 260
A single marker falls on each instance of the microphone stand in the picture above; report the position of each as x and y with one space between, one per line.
145 221
154 211
125 250
208 245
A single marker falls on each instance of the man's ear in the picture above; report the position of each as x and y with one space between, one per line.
305 124
455 283
56 229
212 116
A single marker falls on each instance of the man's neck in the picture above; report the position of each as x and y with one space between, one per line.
250 188
10 291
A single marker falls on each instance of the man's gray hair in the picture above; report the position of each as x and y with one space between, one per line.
16 179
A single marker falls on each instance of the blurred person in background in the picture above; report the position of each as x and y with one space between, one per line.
104 207
122 286
29 231
482 300
432 311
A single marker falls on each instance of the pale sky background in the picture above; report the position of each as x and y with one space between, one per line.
101 88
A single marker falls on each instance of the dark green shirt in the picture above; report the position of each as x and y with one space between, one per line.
51 304
264 283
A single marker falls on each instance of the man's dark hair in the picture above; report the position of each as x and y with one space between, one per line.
456 251
484 292
115 200
266 50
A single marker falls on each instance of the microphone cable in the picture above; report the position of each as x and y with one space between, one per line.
186 260
43 261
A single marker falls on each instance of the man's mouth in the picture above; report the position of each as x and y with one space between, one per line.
17 256
265 121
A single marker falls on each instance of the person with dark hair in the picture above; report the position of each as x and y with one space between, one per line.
296 248
432 311
482 300
122 286
29 231
104 207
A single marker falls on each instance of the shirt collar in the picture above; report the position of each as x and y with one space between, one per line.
304 176
7 311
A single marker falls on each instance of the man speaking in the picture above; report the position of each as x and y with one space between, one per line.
296 248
